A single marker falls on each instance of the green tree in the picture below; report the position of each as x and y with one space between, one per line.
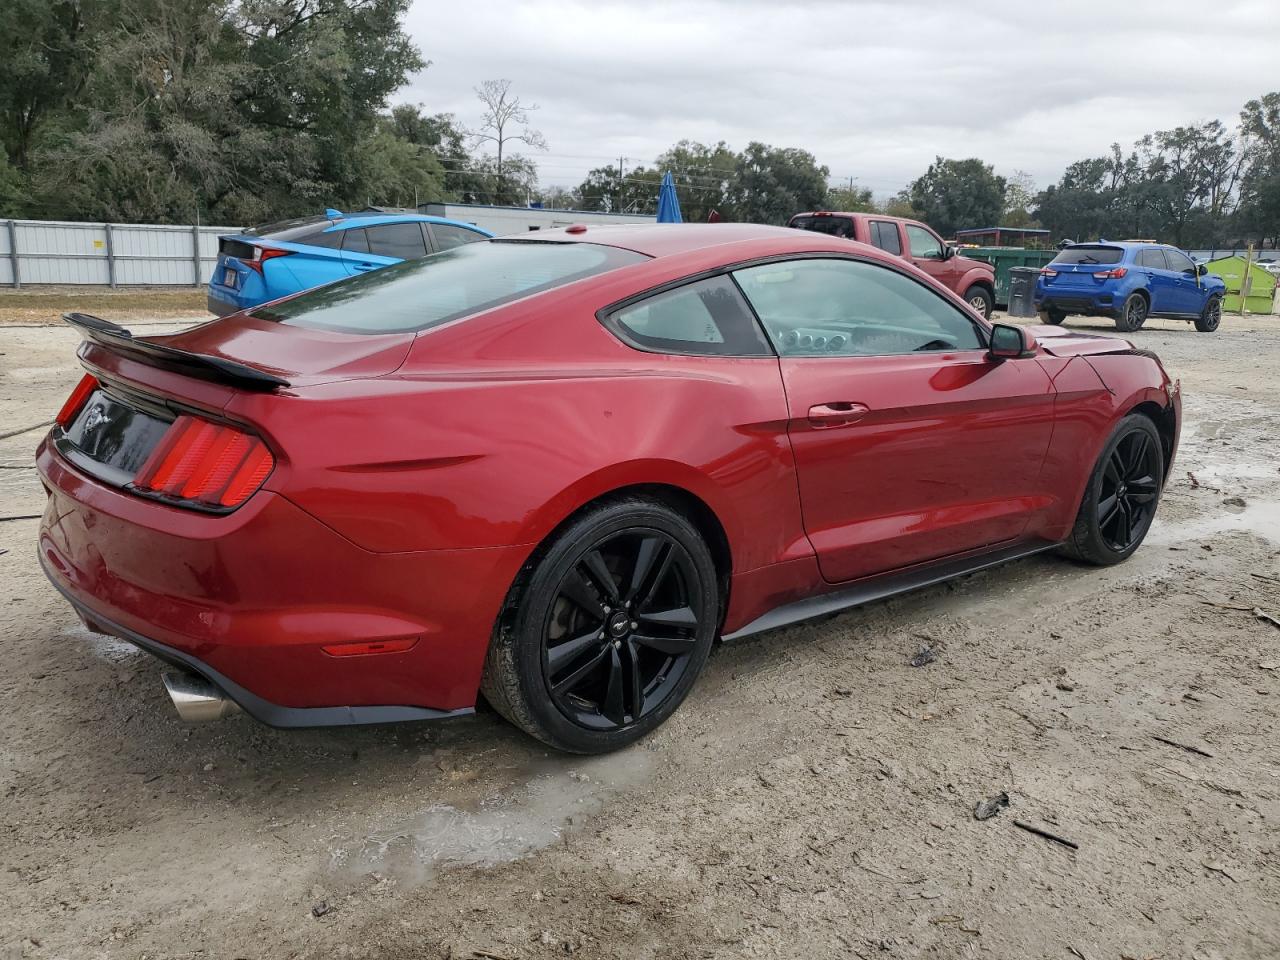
955 194
1258 215
850 199
773 183
704 175
1019 198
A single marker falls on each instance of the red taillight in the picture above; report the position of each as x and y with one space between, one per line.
1046 272
205 463
1114 274
79 395
263 255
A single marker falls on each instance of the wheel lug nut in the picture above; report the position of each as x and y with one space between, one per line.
634 624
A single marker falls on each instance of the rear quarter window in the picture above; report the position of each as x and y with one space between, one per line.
707 318
1082 253
420 294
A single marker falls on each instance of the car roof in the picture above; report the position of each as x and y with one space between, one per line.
676 239
373 219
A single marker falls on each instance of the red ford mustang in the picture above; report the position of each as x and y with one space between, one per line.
555 470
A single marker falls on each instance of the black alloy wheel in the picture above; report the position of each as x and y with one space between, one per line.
622 628
1128 492
1122 494
607 628
1211 316
1133 314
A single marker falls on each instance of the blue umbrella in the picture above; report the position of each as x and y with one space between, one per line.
668 204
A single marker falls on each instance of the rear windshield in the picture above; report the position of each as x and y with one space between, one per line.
834 226
290 229
1083 253
419 294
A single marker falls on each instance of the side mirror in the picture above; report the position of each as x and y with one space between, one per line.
1011 343
1202 270
948 251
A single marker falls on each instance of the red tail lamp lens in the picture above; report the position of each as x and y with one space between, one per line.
77 399
206 463
365 647
1046 272
1115 274
265 254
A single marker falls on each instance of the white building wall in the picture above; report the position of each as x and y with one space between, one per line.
506 221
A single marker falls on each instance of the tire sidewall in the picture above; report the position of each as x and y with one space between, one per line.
533 607
1096 544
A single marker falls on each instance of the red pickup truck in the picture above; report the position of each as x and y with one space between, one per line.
974 280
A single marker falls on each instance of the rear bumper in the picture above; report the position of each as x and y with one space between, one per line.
250 600
1082 302
220 307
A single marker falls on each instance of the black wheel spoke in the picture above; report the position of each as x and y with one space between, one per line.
1124 524
635 686
601 577
576 589
679 617
673 646
1107 509
1115 469
563 654
613 706
1137 454
568 684
651 548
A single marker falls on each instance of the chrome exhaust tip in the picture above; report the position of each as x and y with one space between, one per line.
196 699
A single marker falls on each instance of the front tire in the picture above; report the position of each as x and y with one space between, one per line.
604 635
981 300
1122 494
1210 316
1133 314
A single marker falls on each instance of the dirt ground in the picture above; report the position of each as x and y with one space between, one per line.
813 798
44 305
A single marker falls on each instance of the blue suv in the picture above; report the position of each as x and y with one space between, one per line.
1129 282
280 259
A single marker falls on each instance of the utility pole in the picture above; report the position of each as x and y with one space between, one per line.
621 161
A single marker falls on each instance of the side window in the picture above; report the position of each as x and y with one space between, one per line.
885 236
1151 258
332 239
923 243
705 318
448 236
821 308
403 240
354 241
1179 261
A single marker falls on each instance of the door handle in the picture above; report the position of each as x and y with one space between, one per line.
838 413
366 266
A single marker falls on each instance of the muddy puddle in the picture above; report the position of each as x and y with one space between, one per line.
503 825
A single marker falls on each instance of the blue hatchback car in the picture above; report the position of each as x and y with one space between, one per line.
1129 282
280 259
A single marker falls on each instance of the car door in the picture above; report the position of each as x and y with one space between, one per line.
1188 292
1160 279
911 443
929 253
884 234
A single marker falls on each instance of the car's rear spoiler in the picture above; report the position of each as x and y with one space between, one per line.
119 340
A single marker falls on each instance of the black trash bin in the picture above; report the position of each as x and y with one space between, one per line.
1022 288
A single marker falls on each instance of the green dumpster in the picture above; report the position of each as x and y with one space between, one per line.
1005 259
1262 285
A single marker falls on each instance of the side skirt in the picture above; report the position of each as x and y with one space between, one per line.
885 585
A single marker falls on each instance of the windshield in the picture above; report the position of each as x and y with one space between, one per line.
1083 253
419 294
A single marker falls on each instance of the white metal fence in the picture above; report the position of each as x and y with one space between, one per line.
109 254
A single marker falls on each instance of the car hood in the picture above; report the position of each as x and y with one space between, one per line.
301 355
1058 342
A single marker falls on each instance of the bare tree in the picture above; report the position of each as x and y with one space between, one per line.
503 111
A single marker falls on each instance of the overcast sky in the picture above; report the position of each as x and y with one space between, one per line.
873 89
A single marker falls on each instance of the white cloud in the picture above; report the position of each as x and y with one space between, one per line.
874 89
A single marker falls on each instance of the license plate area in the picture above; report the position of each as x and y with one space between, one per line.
230 279
114 434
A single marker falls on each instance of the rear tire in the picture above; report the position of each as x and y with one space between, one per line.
1121 497
1054 317
1133 314
1210 316
604 634
980 299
